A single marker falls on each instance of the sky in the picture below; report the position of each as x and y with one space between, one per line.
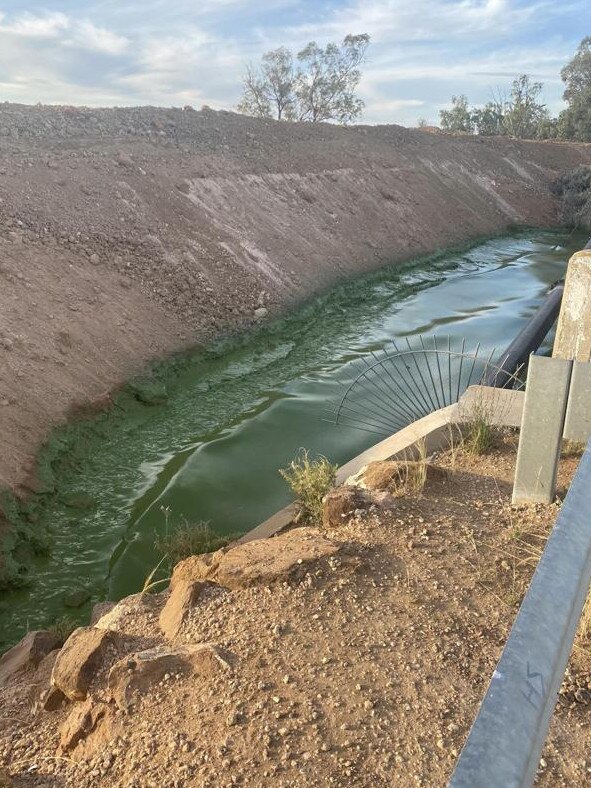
178 52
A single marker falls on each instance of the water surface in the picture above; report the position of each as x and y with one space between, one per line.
237 413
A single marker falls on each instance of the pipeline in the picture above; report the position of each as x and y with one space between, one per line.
528 340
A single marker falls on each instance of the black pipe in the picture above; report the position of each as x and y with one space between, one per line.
529 339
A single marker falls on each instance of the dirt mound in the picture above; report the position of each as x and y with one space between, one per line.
126 234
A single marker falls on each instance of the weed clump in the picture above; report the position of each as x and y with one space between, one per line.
189 539
310 480
479 435
62 628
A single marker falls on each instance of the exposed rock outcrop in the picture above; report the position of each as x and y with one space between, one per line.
137 673
79 660
257 562
27 653
395 475
341 503
179 603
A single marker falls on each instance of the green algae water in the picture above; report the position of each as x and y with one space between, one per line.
236 413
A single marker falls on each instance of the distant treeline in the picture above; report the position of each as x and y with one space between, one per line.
520 112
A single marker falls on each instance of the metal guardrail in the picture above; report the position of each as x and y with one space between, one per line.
505 743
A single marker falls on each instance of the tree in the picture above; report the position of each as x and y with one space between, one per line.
524 113
459 117
575 121
321 88
489 120
269 91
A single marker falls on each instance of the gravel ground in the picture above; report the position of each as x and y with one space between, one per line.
366 671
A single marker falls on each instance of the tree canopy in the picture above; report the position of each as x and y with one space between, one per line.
575 121
319 84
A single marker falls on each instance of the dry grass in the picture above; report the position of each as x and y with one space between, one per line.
572 448
189 539
479 435
413 471
310 480
62 628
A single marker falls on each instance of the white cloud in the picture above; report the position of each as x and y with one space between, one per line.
49 25
174 52
87 35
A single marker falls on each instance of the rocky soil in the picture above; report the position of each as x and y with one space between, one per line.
127 234
355 654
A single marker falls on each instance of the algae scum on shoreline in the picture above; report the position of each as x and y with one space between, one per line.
203 437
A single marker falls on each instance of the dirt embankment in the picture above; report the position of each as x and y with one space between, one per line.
127 234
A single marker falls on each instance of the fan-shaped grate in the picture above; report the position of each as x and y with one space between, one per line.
389 389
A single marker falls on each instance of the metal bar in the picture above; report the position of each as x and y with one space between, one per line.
527 341
588 244
504 746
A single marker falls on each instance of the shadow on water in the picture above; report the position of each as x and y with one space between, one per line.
238 412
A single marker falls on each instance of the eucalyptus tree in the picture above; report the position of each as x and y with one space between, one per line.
318 84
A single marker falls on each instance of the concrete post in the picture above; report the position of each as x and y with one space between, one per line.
573 333
577 424
540 440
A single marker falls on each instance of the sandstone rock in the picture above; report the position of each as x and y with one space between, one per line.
99 610
6 780
262 561
179 603
123 616
340 503
261 312
27 654
394 475
52 699
79 660
88 728
81 721
137 673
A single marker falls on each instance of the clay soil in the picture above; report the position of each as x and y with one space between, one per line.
129 234
365 671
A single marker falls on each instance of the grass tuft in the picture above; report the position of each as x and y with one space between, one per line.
190 539
62 628
479 435
310 480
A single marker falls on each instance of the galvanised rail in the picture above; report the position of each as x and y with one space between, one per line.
505 743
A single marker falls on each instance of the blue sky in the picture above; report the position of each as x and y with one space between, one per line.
177 52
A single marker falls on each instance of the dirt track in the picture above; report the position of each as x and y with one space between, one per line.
128 234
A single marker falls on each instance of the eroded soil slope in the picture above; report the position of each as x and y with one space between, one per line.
126 234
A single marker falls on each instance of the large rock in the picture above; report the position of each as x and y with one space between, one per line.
27 653
261 561
181 600
128 614
79 660
99 610
396 475
339 504
88 728
136 674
